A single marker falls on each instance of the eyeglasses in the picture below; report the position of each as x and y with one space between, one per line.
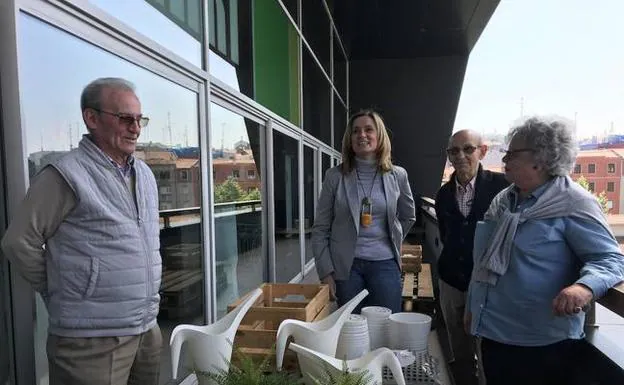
510 154
467 149
127 119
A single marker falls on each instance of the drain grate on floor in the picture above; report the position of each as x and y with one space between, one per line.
425 370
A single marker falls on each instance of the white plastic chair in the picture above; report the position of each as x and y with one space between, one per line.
373 362
321 336
210 345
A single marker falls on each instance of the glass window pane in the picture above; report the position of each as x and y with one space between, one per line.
169 145
326 164
241 262
276 61
316 30
212 24
316 100
340 69
222 24
177 9
234 31
309 174
194 15
261 57
292 6
286 164
159 24
340 122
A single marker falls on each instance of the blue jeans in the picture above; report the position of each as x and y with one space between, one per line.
382 279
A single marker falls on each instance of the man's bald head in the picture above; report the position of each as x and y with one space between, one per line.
463 135
465 151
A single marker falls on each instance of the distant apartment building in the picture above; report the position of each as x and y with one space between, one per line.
242 167
177 178
604 170
187 183
38 160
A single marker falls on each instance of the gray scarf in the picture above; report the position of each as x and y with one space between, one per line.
562 198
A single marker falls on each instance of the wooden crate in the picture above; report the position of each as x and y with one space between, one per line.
256 342
274 305
182 256
418 291
411 249
181 293
411 263
257 333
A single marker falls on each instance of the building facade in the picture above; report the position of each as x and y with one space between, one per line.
604 171
274 79
244 78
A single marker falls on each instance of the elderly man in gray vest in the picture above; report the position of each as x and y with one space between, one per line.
87 238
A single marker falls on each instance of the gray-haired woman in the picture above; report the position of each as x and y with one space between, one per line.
549 254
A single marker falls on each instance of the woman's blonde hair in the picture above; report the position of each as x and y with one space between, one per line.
384 148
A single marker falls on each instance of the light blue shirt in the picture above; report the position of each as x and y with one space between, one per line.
547 256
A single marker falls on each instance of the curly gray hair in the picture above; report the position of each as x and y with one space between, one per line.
553 141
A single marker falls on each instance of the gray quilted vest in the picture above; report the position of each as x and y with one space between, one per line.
103 262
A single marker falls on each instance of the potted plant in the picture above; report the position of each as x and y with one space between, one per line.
249 372
343 377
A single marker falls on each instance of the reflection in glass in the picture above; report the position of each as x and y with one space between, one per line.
241 263
276 60
340 122
169 145
292 7
254 50
4 323
176 28
310 168
231 43
5 333
326 164
286 164
316 100
340 69
315 29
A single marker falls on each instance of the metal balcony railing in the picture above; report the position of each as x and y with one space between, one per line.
189 215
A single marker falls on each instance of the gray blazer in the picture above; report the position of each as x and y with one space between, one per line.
337 221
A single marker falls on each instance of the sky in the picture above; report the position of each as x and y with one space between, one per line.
50 94
560 57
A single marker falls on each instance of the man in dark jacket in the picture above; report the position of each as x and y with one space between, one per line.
460 203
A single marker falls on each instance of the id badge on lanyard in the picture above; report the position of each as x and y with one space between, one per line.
366 215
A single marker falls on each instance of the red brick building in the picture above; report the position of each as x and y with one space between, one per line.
188 182
178 178
604 170
241 167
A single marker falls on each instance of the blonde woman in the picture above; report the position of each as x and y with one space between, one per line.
363 214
